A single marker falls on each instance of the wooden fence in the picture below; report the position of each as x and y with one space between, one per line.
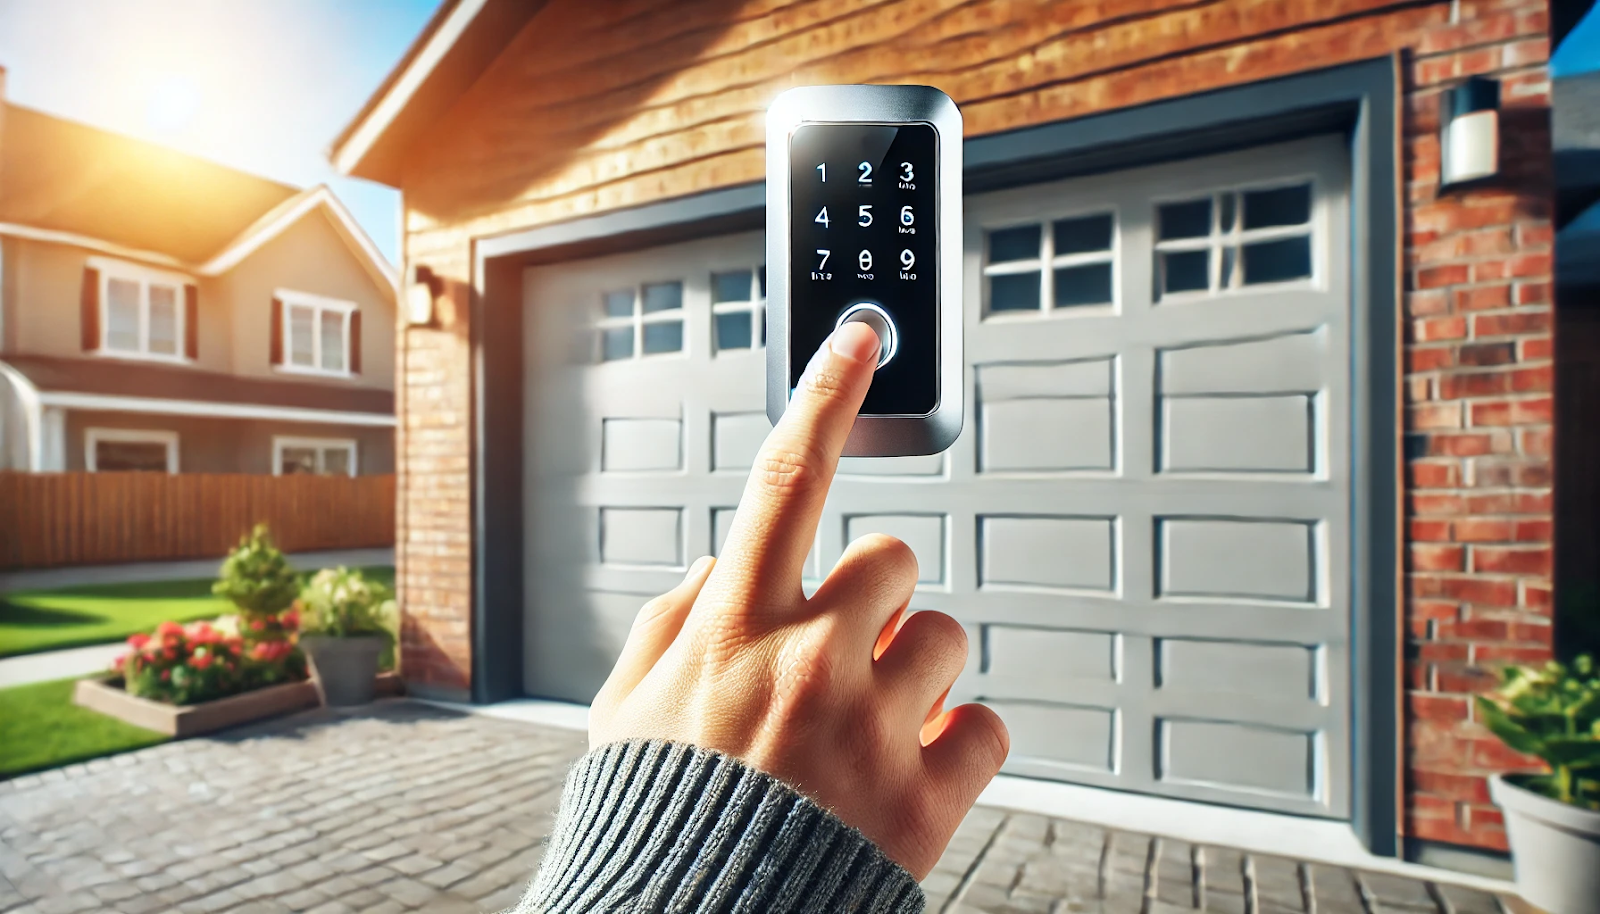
53 519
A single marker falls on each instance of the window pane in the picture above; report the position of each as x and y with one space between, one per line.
730 286
332 340
1277 261
1021 243
619 304
1186 220
1230 204
301 340
761 319
1079 236
164 320
1017 292
761 276
663 336
122 315
1281 206
115 456
299 460
335 462
1085 285
663 296
616 343
1185 271
1229 256
733 330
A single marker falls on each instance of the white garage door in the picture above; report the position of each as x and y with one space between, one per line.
1144 524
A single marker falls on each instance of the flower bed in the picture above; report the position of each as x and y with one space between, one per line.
185 665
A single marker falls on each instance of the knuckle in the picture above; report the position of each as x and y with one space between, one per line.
945 633
827 383
879 550
786 469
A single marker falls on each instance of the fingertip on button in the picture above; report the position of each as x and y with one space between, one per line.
855 342
878 320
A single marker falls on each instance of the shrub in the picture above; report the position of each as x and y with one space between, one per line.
185 665
341 602
1553 712
256 577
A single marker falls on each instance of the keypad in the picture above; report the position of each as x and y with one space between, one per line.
863 228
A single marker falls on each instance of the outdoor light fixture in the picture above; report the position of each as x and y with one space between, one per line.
420 293
1469 132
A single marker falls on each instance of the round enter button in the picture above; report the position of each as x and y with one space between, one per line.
873 315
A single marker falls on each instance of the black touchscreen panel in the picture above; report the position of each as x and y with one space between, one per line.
863 228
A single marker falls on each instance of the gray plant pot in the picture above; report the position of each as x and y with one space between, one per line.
345 669
1555 848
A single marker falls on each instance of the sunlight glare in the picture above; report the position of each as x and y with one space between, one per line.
173 103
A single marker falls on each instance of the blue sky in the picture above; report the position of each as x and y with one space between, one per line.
261 85
265 85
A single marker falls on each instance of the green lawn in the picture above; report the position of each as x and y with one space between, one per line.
47 620
40 728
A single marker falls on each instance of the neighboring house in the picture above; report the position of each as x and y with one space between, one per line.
161 312
1250 537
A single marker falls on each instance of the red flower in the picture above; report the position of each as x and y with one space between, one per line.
170 653
137 641
291 619
167 629
166 675
200 661
257 625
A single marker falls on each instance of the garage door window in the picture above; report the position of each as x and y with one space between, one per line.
1234 239
738 309
1079 252
647 320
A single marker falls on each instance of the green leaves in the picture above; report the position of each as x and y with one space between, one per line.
342 602
256 576
1552 712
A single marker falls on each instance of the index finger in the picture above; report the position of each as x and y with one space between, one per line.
777 518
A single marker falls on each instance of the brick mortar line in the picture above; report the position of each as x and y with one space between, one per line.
972 868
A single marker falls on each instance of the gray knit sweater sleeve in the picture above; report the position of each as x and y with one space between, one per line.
650 826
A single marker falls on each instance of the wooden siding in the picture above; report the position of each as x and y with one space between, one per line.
53 519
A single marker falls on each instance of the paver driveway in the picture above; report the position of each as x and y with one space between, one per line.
404 806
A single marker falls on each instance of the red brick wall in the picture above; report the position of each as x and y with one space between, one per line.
1479 404
600 106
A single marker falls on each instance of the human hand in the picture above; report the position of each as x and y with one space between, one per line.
834 695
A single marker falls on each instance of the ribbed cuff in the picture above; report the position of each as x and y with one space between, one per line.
657 826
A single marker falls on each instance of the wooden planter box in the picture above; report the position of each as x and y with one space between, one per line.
108 697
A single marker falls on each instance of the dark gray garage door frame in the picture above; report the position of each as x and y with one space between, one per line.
1357 99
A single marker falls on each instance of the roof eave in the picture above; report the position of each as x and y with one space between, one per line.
456 46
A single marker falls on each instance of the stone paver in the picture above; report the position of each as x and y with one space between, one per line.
403 806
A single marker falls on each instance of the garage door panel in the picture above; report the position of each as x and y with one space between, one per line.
640 444
1045 434
1143 526
1187 665
1264 434
592 629
1067 735
1204 752
736 439
1290 362
1063 552
1243 558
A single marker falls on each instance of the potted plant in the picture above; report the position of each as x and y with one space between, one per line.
1552 819
257 578
342 627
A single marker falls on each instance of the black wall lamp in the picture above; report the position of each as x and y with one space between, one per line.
1469 132
420 293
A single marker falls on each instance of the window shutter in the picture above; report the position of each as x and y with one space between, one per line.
191 321
355 342
277 332
89 310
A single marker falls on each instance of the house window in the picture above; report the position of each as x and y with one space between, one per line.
1057 265
316 331
739 309
141 311
116 450
313 456
642 321
1233 240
